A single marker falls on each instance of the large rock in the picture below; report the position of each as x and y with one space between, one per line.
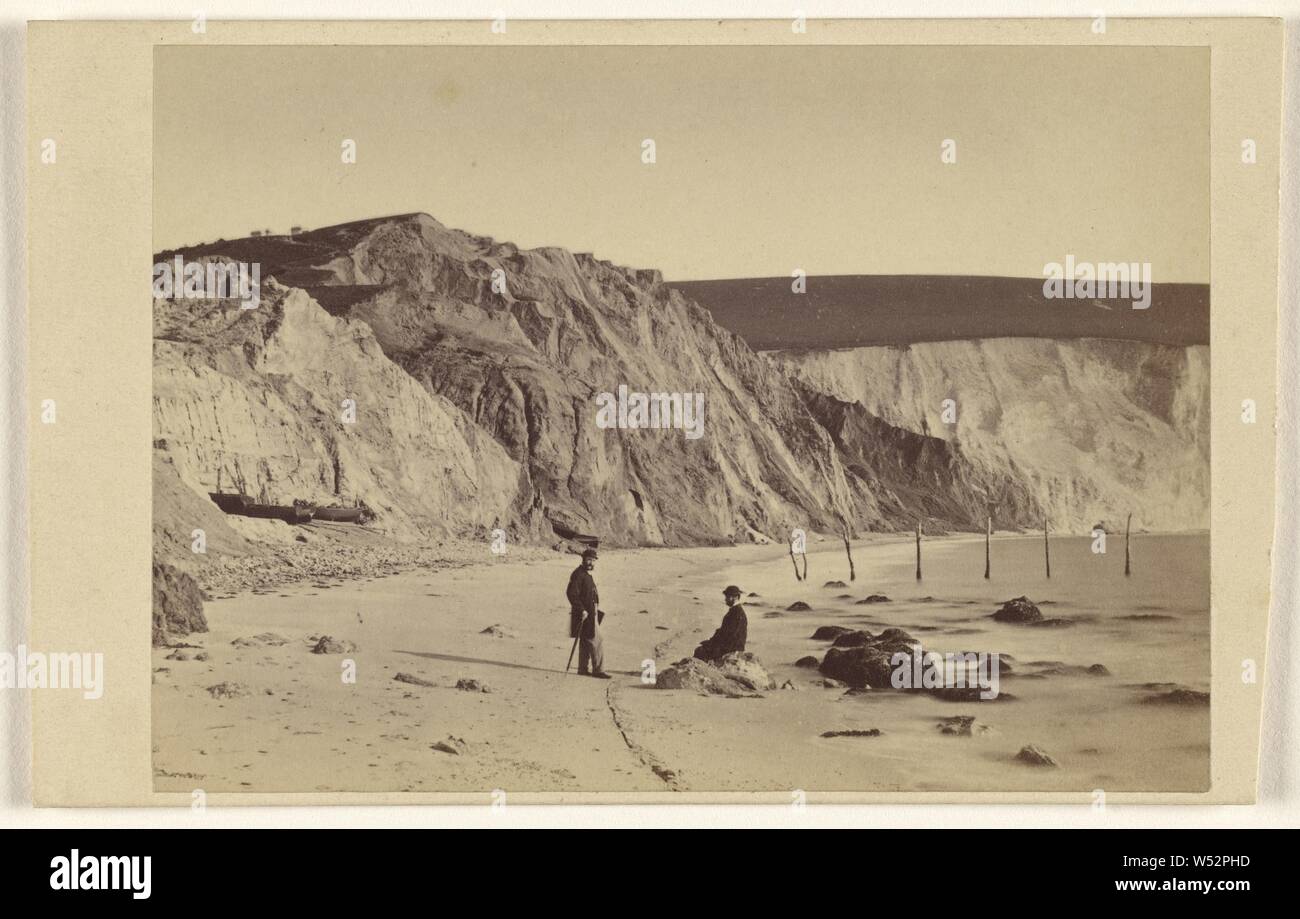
853 639
177 604
829 632
1018 610
868 665
739 673
863 666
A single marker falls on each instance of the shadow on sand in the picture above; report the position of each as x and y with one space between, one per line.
458 659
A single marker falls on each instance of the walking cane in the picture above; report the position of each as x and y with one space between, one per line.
575 642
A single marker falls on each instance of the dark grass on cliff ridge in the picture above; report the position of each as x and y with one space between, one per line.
854 311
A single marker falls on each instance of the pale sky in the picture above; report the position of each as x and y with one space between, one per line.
768 158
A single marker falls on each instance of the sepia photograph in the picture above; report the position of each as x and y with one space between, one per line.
771 419
681 419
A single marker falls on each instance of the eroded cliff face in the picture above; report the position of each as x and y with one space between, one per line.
476 368
528 356
1090 429
254 401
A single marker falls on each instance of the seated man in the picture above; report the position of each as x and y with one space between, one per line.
731 635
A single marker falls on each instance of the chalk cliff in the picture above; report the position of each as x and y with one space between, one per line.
474 369
1093 428
257 401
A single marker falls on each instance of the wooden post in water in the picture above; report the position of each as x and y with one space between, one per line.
848 550
794 561
1047 552
1128 569
988 537
918 550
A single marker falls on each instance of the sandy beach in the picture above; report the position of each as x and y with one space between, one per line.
248 706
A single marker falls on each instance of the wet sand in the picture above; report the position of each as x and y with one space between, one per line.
301 727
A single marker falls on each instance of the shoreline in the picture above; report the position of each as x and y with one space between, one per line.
375 555
472 659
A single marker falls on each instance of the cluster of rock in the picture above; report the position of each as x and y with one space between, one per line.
228 690
261 640
864 660
332 559
328 644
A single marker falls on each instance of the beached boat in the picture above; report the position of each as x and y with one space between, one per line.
287 512
581 538
231 504
341 514
244 506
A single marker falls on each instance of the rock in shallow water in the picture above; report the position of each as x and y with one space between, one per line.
1179 696
868 664
958 725
1032 755
829 632
1019 609
854 639
967 694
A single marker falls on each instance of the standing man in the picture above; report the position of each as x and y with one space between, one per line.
733 632
585 616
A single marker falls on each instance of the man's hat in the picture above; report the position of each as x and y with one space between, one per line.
732 590
589 553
